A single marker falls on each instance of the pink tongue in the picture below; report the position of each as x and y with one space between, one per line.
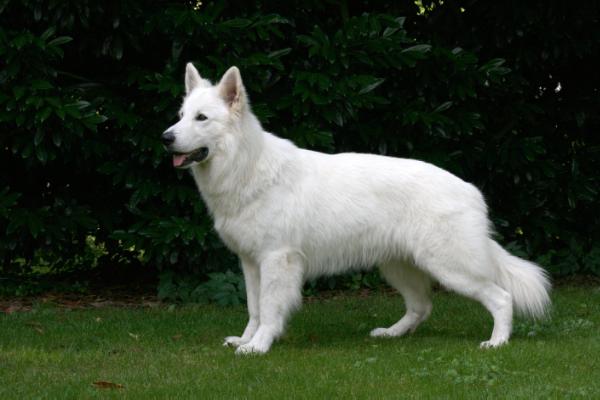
178 159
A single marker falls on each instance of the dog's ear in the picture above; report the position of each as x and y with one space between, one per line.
232 89
193 79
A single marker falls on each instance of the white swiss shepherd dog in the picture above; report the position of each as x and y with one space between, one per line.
292 214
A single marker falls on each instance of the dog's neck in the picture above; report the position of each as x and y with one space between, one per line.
248 163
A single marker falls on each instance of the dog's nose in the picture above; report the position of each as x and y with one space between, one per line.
168 137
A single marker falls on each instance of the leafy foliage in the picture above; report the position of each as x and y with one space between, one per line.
87 88
223 288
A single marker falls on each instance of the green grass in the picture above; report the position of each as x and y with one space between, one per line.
176 353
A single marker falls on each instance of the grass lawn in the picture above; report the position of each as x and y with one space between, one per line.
176 352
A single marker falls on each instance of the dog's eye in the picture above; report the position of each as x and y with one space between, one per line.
200 117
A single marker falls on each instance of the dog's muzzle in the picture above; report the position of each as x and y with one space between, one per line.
181 160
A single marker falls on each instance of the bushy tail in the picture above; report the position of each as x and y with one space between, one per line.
527 282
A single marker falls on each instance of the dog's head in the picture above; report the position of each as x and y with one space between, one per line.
205 118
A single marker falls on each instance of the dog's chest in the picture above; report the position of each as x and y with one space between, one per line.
240 235
255 227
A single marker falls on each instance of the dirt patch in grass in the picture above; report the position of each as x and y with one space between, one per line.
113 297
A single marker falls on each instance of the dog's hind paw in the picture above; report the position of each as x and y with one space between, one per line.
380 332
234 341
395 331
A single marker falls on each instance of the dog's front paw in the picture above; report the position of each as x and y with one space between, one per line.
491 344
249 348
234 341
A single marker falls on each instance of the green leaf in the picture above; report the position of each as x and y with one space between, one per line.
60 112
41 154
370 87
44 114
39 136
419 48
280 53
7 199
493 63
59 41
18 92
390 30
443 107
56 138
81 104
117 48
237 23
47 33
95 119
41 84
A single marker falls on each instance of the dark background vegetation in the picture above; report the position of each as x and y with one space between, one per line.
503 94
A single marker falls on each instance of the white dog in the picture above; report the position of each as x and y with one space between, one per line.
291 214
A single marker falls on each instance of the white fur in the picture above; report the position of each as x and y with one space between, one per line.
292 214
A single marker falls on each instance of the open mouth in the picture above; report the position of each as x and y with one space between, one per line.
181 160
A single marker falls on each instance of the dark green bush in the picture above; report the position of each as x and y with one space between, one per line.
87 88
224 288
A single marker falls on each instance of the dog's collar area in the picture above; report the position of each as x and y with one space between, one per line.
181 160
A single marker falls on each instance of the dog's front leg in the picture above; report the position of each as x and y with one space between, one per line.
252 280
281 277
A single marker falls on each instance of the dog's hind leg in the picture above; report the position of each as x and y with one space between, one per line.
281 278
498 302
414 285
494 298
471 275
252 281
